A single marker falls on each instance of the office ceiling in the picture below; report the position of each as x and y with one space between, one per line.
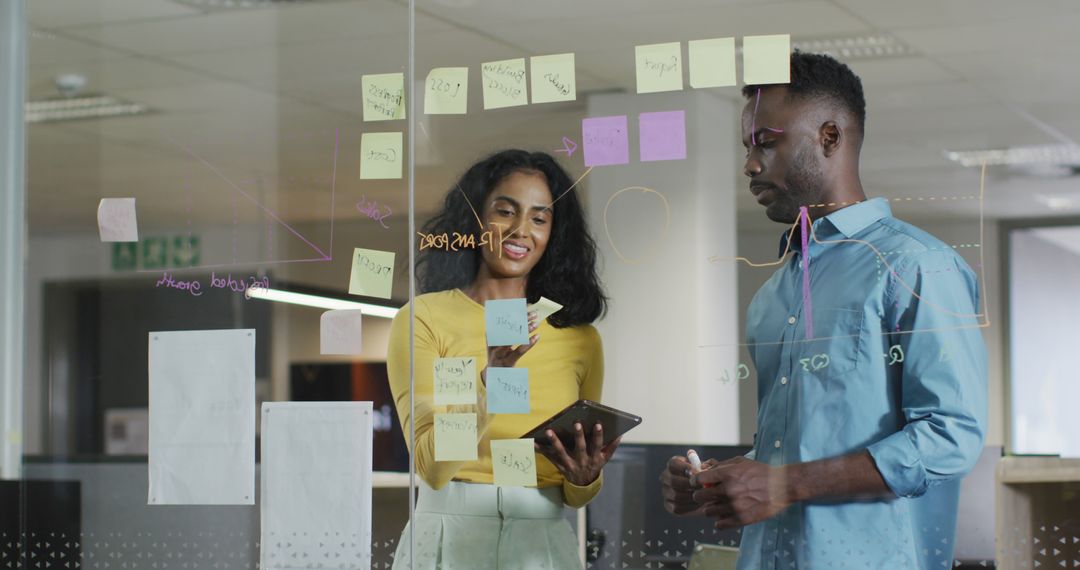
265 95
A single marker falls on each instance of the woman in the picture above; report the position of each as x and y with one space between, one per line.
531 241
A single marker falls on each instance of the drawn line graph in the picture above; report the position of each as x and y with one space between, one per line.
982 314
324 256
667 223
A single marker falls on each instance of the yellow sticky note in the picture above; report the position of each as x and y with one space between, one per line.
384 96
544 308
712 62
455 381
372 273
659 67
504 83
455 437
513 462
380 156
446 91
553 78
766 59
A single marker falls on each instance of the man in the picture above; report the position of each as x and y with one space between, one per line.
872 379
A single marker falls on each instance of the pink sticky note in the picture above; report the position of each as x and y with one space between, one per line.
606 140
662 135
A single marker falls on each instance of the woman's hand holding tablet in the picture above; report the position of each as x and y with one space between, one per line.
581 438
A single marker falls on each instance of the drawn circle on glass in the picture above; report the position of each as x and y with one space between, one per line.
667 224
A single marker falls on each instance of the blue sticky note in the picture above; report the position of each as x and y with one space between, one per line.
507 390
506 323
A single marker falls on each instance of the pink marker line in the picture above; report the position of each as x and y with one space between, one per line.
808 310
270 212
333 191
753 119
569 147
241 264
235 229
187 195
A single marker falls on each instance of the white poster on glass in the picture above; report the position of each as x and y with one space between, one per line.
316 477
202 417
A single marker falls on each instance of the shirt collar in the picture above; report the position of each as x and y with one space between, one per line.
855 218
849 221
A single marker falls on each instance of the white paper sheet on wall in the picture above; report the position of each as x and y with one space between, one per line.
340 331
202 417
316 485
117 220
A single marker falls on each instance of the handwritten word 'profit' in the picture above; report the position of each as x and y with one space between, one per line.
373 266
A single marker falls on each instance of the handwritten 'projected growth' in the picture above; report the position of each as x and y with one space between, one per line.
455 381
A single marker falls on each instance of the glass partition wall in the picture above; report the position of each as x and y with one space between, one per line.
194 351
305 279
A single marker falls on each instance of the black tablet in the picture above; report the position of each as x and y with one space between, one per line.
589 413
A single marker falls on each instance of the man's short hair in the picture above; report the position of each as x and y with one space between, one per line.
816 76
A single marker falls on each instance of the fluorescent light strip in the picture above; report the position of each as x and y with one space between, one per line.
320 302
1041 154
81 108
228 4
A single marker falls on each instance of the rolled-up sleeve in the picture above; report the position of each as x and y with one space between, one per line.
591 387
932 304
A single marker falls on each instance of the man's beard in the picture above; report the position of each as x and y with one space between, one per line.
802 187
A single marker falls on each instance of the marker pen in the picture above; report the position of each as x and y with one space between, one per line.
695 465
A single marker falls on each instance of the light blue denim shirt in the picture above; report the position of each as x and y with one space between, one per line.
895 365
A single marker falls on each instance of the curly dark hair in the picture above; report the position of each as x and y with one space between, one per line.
819 76
565 274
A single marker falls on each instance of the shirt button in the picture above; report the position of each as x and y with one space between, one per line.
783 379
776 444
791 320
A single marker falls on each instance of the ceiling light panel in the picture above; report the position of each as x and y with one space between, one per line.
1021 155
856 47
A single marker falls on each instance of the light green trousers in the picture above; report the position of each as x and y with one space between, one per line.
472 526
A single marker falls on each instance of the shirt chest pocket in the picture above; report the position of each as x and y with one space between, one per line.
834 350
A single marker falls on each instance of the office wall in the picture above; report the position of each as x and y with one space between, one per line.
671 332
